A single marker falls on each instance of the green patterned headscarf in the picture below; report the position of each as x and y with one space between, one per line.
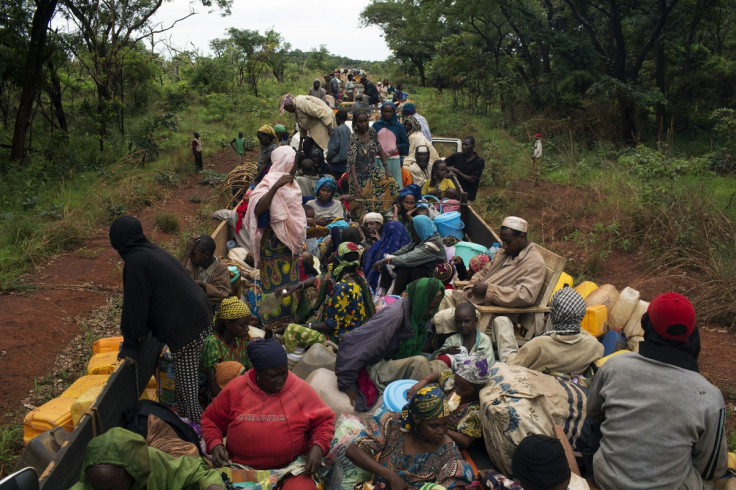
427 404
420 294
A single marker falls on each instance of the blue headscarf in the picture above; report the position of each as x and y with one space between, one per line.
327 180
393 237
393 125
424 227
412 189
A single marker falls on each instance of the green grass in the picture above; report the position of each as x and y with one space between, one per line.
11 442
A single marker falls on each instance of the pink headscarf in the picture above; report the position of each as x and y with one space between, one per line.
288 220
286 99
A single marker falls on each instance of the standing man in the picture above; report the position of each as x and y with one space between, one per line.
314 118
337 148
160 297
334 87
197 150
536 156
238 145
467 167
662 423
317 91
370 91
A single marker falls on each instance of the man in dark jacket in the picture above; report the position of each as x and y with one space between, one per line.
370 91
160 297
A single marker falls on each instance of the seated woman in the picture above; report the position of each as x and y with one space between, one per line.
389 346
417 259
393 237
372 225
229 341
414 446
271 404
346 297
439 182
469 378
406 204
325 207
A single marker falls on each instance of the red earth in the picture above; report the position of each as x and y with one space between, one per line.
35 326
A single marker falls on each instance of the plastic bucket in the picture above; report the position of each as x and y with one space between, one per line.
468 250
394 396
450 224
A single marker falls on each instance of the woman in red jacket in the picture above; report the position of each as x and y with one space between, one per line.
270 417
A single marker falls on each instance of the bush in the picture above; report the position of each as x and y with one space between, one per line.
168 223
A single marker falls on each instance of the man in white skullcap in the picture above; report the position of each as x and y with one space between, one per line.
514 278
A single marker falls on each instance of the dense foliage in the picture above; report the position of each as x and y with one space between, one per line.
621 70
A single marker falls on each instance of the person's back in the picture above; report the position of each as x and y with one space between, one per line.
659 424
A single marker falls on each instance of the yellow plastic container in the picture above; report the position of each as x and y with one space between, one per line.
585 288
624 307
106 344
595 321
54 413
103 363
600 362
565 279
85 400
85 383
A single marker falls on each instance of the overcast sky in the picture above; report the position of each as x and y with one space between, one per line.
306 24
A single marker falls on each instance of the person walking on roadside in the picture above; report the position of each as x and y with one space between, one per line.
197 150
160 297
536 156
238 144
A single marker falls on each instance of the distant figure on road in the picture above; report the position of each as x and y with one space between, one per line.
197 150
238 144
536 156
317 91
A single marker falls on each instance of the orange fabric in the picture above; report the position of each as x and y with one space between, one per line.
406 178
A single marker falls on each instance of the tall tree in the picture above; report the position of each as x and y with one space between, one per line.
411 28
32 75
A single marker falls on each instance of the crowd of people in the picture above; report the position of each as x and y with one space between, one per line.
336 233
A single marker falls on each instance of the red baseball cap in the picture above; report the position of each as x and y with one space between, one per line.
672 316
539 135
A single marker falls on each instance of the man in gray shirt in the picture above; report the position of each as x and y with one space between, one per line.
337 148
662 423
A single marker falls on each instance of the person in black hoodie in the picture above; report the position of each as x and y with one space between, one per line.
160 297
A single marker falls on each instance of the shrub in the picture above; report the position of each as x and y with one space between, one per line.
168 223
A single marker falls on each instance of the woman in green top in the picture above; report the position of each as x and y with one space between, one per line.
229 341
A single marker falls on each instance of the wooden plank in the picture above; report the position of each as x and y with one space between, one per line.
118 395
221 235
507 310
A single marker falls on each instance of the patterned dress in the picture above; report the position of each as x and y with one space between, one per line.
279 268
445 466
215 350
378 191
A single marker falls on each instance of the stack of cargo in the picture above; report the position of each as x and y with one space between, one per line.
66 410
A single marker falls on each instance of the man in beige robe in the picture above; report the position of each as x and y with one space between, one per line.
514 278
314 117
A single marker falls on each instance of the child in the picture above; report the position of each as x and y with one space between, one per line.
238 144
449 200
469 378
468 340
314 231
438 181
307 177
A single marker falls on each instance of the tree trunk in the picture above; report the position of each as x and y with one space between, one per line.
32 76
55 97
660 66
